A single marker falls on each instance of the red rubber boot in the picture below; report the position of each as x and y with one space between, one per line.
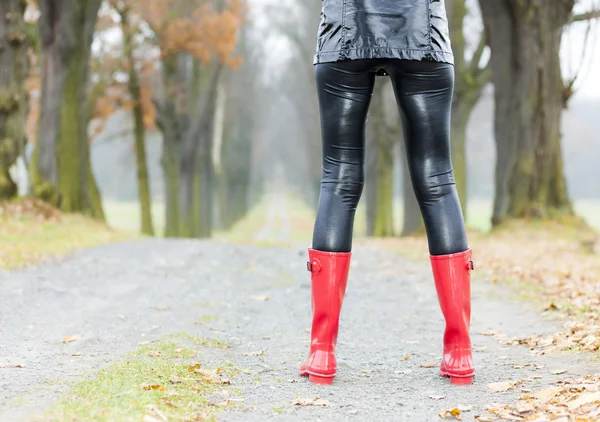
329 276
453 285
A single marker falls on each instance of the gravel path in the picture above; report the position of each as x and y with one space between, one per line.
109 295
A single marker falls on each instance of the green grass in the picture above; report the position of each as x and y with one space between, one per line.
158 379
29 238
125 216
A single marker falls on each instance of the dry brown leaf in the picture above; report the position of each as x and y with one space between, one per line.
153 387
193 367
485 418
451 413
430 364
583 399
545 396
407 357
71 339
8 365
170 404
498 387
260 298
311 402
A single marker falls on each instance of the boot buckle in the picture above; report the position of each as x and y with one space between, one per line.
313 267
471 266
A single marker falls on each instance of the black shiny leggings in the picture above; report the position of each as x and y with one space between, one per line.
424 95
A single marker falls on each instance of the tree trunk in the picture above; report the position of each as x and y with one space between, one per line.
14 68
381 139
139 130
168 124
525 40
413 220
195 169
61 167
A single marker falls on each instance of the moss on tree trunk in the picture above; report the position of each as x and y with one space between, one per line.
14 68
61 169
525 40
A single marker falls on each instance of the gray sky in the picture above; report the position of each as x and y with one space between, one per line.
571 53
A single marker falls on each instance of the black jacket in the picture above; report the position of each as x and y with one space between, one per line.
374 29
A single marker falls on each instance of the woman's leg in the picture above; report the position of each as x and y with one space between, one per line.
424 93
344 95
345 90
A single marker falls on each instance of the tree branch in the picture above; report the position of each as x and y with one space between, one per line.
474 65
592 14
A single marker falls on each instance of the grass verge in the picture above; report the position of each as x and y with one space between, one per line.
32 231
160 381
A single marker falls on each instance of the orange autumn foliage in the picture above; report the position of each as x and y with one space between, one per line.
196 27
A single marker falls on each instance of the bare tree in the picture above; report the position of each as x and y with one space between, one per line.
525 38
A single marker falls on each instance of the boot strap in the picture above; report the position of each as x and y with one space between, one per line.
313 267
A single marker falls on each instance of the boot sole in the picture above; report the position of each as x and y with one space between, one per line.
459 379
318 379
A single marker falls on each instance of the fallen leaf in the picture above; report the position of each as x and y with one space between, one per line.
311 402
192 368
430 364
8 365
258 353
498 387
175 380
545 396
407 357
485 418
154 354
583 399
524 407
76 354
451 413
71 339
260 298
559 372
153 387
170 404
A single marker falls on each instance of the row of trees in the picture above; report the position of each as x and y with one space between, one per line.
170 63
516 47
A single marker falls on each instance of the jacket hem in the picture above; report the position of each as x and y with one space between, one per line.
383 53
